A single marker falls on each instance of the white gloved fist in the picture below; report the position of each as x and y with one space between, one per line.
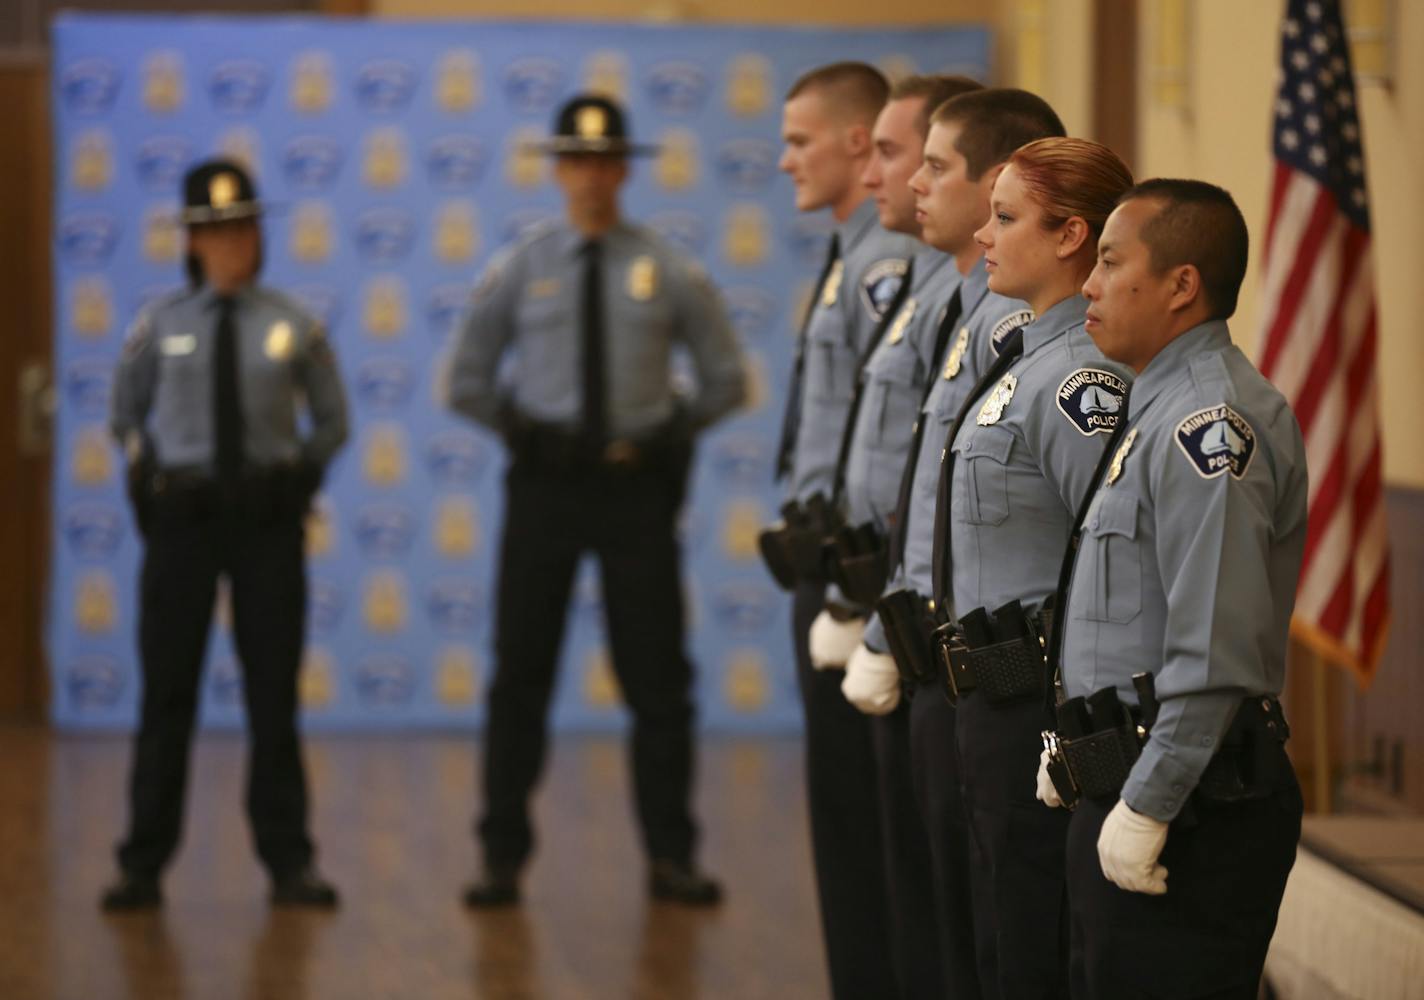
1047 792
1128 847
872 682
832 642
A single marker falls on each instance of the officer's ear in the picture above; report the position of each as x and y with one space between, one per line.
1072 236
856 139
1185 289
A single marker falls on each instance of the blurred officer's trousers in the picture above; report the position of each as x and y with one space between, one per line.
846 843
189 546
627 518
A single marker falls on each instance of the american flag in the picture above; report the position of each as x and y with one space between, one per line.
1318 342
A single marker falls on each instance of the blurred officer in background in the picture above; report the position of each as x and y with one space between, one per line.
206 404
600 443
827 120
969 138
875 443
1018 462
1185 576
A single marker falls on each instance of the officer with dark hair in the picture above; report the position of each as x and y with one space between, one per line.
592 308
206 405
1178 607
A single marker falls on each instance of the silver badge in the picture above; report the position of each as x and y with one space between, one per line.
993 408
1115 469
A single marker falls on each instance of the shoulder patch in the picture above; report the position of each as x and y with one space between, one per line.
880 284
1216 440
1008 325
1091 399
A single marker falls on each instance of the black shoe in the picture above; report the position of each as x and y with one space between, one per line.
304 888
131 892
497 886
675 882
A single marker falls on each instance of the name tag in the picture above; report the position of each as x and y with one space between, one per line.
178 344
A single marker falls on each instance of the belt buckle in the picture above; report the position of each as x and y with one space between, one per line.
621 452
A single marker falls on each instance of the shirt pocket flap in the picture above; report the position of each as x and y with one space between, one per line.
987 442
1116 514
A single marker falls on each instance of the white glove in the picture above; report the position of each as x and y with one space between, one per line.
872 683
832 642
1047 792
1128 848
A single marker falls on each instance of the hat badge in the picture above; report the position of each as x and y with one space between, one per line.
591 122
222 190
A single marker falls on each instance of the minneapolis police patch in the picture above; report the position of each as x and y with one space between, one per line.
1008 325
1091 399
1217 440
880 283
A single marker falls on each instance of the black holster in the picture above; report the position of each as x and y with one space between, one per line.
794 549
858 560
909 626
999 655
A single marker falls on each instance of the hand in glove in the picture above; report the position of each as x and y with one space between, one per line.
1047 792
872 682
1128 847
833 641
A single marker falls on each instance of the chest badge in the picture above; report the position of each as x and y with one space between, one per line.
955 360
642 279
540 288
902 320
832 289
993 408
1115 469
279 342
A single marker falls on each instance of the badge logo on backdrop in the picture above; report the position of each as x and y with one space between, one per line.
385 86
238 87
312 87
88 87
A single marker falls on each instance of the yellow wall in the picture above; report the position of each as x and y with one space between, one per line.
1223 136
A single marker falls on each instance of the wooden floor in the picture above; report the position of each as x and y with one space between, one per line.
392 817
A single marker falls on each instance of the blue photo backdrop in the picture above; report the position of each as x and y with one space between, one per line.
391 154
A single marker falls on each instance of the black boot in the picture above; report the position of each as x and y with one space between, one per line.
678 882
304 887
497 885
132 892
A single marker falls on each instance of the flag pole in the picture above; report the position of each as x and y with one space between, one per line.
1321 747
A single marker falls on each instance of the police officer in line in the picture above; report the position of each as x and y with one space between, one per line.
1018 462
206 404
1190 551
827 120
592 309
876 440
969 139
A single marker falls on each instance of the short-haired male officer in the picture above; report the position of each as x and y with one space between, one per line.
1186 572
593 308
827 120
206 404
876 442
969 138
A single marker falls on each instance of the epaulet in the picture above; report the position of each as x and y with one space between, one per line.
1211 381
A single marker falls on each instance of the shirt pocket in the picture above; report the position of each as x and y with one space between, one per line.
985 455
1111 561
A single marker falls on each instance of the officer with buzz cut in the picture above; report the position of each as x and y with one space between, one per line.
207 405
592 308
1179 592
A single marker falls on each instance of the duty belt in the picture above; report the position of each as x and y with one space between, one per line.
999 655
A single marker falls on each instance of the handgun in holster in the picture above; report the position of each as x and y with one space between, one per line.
909 625
1000 655
793 548
858 561
1098 740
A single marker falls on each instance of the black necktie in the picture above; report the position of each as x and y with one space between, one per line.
227 397
1070 555
900 527
791 421
594 411
1009 352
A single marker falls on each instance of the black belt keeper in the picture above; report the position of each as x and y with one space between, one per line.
907 622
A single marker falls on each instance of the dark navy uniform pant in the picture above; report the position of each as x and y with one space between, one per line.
1017 847
934 766
627 518
846 844
914 940
1206 938
193 539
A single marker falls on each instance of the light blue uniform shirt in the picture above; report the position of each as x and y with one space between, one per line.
1190 557
985 320
1024 458
164 385
654 299
843 320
